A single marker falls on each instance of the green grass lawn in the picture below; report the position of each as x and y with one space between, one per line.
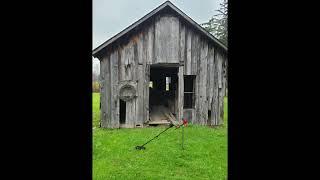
115 157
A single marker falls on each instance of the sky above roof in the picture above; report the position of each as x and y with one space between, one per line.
112 16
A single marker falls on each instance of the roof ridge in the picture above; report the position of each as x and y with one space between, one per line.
150 14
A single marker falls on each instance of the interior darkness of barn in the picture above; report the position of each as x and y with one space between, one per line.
163 88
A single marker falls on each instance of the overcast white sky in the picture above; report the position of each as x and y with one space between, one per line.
112 16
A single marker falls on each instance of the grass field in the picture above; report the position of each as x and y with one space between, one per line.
114 156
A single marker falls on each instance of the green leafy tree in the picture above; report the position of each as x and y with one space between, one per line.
218 24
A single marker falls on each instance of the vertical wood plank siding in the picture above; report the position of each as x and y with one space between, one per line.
163 40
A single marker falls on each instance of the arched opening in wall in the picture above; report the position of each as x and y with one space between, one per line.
122 112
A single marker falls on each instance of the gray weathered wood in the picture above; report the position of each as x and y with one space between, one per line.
197 109
187 63
114 90
215 99
126 62
225 73
103 121
130 68
219 66
182 39
210 76
107 96
180 92
171 42
167 43
131 61
140 54
146 92
140 98
149 44
122 73
203 107
141 82
131 110
195 54
220 100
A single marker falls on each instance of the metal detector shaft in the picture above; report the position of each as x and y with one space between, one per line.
182 137
157 135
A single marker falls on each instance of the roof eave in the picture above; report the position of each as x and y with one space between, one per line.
126 30
96 51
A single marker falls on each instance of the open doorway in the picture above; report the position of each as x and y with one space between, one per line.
122 112
163 94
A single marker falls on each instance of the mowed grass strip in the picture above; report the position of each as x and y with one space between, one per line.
115 157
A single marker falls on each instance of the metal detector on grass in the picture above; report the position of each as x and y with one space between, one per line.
184 123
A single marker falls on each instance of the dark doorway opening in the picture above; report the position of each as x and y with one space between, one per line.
163 95
209 117
122 112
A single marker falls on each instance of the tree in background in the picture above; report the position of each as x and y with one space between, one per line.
218 24
95 86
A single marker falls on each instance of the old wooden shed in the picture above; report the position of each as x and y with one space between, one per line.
164 62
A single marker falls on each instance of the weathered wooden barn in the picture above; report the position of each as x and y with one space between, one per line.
165 60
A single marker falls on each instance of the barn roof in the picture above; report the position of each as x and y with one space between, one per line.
166 4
